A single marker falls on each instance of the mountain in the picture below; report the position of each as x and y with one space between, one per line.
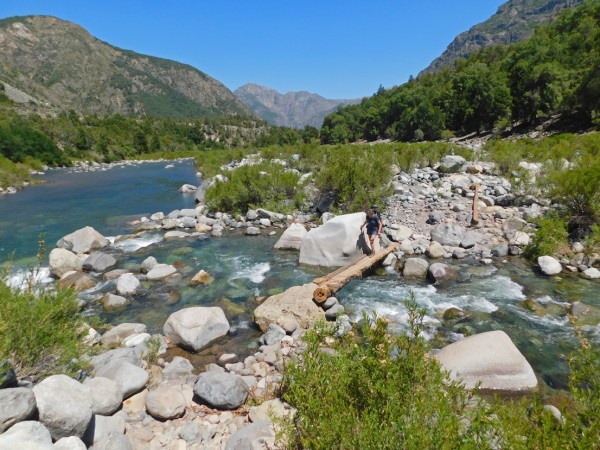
294 109
60 66
514 21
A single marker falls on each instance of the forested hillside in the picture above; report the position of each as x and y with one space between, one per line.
555 72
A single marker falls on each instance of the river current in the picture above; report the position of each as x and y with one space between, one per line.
508 295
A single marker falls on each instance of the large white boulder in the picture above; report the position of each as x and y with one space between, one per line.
106 395
83 240
295 303
337 242
16 404
194 328
62 261
28 435
64 406
292 237
549 265
490 359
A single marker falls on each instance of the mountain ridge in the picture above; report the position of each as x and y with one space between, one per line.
63 66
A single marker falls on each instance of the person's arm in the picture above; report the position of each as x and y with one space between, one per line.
362 226
379 227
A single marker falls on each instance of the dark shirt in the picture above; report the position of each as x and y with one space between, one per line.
372 225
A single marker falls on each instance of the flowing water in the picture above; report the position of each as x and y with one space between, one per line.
510 295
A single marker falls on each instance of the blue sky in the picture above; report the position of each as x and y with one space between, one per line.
336 48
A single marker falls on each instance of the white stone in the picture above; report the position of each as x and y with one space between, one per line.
549 265
292 237
196 327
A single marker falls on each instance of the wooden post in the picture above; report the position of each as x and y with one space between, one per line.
475 216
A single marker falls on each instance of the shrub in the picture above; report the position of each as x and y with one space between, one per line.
551 236
39 331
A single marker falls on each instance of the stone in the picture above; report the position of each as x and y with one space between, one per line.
106 395
99 262
453 313
221 390
292 237
453 164
83 240
439 272
108 433
470 239
491 359
501 250
111 301
591 273
69 443
512 225
331 301
549 265
271 410
8 378
334 311
148 264
115 335
519 238
289 324
448 234
157 216
178 368
415 268
28 435
76 280
16 405
188 189
161 271
257 435
171 235
165 403
400 233
252 231
459 253
129 378
194 328
136 403
296 302
127 284
62 261
435 250
202 277
578 247
337 242
273 335
64 406
131 355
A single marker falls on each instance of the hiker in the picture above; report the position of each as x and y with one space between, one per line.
374 225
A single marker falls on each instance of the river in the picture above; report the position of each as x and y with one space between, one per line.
247 268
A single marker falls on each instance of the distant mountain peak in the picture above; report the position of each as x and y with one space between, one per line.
292 109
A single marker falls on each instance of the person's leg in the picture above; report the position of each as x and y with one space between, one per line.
372 242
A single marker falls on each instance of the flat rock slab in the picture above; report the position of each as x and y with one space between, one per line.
490 358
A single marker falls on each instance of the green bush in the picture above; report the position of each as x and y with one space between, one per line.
39 331
551 237
373 390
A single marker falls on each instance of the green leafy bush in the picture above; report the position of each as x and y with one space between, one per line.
551 237
39 331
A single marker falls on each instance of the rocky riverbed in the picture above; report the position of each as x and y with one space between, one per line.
137 397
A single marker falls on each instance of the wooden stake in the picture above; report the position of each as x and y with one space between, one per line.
475 215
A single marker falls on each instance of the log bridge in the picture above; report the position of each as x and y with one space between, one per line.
333 282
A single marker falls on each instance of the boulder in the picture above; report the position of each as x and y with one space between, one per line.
148 264
448 234
202 277
69 443
221 390
415 268
129 378
16 405
111 301
490 359
106 395
274 335
257 435
188 189
252 231
335 243
131 355
83 240
127 284
115 335
99 262
453 164
160 271
178 368
194 328
439 272
77 280
291 237
165 403
399 233
108 433
62 261
591 273
549 265
470 239
64 406
170 235
28 435
295 303
435 250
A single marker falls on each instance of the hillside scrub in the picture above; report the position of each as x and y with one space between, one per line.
372 389
555 72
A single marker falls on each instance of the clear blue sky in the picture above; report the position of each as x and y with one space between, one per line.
336 48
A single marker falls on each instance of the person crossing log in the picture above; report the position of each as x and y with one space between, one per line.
333 282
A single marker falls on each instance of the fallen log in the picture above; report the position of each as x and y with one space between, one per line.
333 282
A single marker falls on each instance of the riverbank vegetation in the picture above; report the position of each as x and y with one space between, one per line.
372 389
554 73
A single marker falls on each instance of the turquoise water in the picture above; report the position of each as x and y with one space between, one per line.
246 269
